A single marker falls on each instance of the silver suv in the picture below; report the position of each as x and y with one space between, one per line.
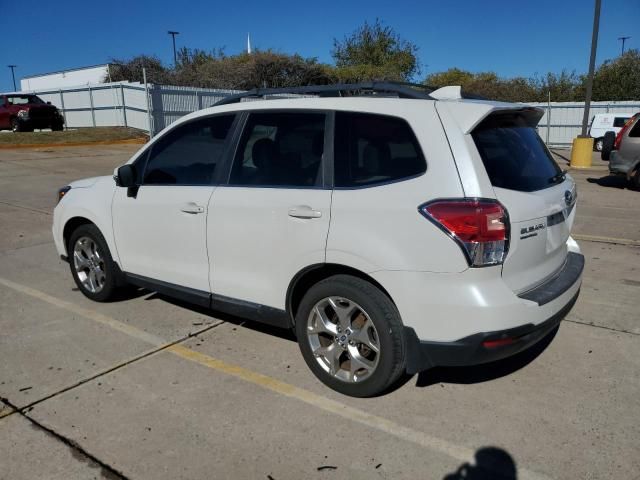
623 151
392 227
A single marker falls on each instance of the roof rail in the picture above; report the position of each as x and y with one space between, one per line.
402 90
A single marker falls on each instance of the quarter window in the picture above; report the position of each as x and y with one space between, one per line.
280 149
189 154
372 149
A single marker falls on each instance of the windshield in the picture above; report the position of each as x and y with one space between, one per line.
514 156
24 99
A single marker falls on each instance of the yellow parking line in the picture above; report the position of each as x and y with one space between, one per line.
596 238
456 452
85 312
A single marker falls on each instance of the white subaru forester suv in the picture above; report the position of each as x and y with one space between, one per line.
393 229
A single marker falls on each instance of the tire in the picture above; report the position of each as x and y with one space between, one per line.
608 141
597 145
92 267
16 126
635 179
57 127
368 320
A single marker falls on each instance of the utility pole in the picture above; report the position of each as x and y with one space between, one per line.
623 40
173 37
13 75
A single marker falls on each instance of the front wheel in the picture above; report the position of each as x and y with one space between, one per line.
91 264
57 127
351 336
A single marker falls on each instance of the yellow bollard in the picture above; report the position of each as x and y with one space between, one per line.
581 152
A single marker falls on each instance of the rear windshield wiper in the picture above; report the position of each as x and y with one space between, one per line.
558 177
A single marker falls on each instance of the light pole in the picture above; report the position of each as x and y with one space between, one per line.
173 37
583 145
623 40
13 75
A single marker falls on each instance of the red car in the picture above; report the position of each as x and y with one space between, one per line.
24 112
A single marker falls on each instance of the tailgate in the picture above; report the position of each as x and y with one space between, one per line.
539 198
540 226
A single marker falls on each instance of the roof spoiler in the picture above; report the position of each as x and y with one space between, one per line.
468 115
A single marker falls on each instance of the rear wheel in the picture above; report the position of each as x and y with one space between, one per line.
91 264
351 336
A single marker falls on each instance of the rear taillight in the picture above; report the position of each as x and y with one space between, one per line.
480 227
628 123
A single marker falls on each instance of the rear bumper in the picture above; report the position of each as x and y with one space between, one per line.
478 348
619 165
556 297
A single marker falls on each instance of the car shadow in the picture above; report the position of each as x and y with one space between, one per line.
490 463
225 317
612 181
487 371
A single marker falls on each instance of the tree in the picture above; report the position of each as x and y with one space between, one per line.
618 79
374 52
131 70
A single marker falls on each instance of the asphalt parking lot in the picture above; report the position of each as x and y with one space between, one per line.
148 388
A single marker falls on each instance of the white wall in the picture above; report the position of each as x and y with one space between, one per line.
68 78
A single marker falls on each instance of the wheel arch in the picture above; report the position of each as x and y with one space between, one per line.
71 225
309 276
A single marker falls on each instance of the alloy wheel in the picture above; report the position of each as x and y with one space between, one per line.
343 339
88 262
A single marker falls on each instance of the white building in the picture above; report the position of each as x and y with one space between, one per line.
66 78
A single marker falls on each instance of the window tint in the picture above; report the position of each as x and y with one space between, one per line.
280 149
189 154
635 130
620 121
372 149
24 99
514 155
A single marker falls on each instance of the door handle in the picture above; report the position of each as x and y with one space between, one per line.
191 207
304 211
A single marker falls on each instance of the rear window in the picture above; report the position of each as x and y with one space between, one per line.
513 154
635 131
619 122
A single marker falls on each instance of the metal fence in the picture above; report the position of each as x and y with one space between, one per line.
562 121
101 105
128 104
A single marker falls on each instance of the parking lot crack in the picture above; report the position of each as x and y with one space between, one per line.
77 451
603 327
113 368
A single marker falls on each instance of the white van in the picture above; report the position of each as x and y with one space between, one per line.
606 122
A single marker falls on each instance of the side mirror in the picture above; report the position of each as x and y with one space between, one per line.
48 103
126 176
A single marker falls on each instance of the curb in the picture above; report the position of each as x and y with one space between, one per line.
128 141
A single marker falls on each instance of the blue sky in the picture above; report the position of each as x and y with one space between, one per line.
509 37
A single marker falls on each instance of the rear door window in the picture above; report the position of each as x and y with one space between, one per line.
280 149
514 156
372 149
